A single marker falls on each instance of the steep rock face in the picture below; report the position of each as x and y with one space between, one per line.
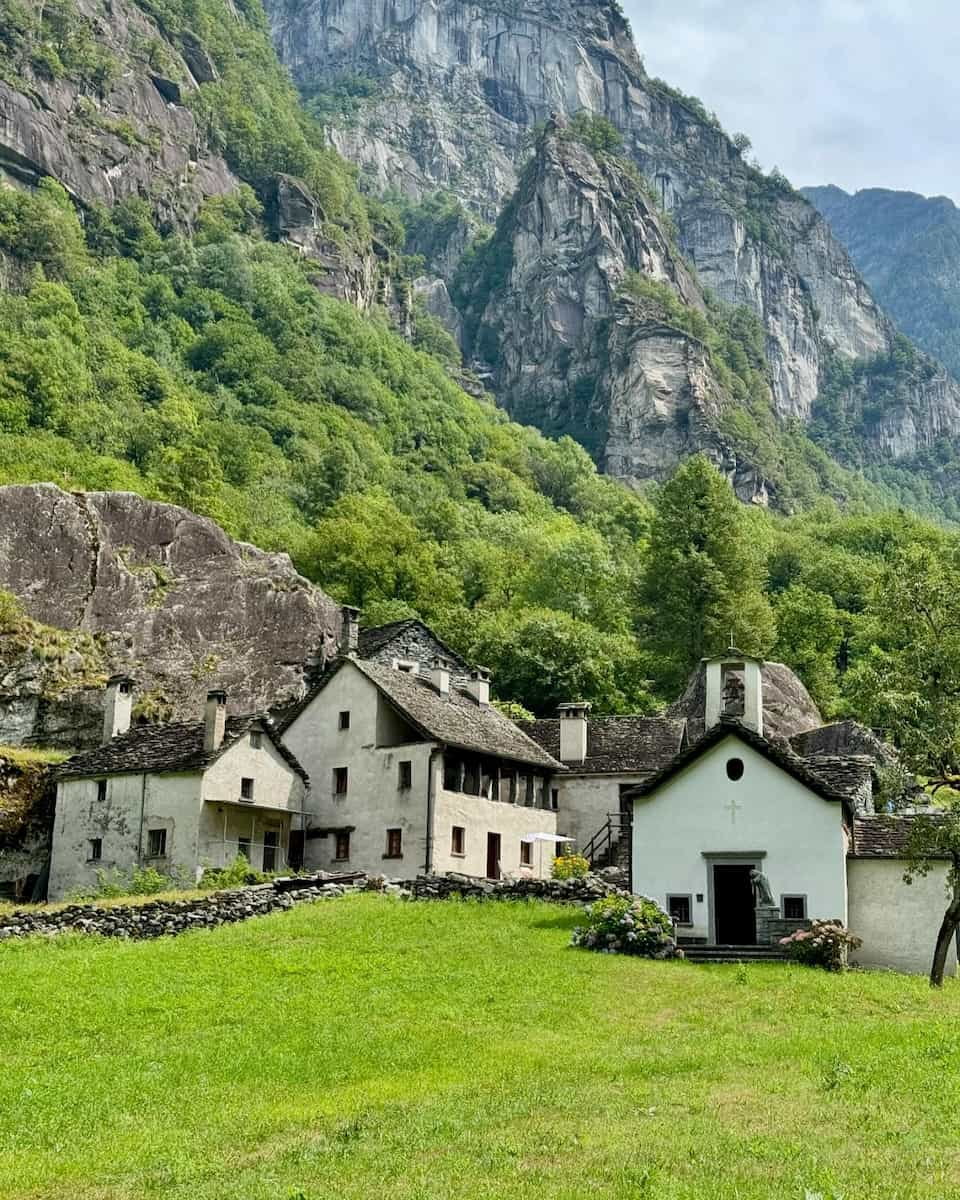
126 134
460 84
571 354
158 592
908 248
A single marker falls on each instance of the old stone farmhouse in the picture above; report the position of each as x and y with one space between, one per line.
176 797
395 762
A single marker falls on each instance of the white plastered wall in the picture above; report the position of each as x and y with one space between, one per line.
584 802
134 805
478 817
279 796
800 835
897 921
374 801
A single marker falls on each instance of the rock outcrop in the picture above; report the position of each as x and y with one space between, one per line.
113 582
124 132
568 351
459 85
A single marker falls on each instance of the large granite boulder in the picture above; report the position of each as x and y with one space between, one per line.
113 582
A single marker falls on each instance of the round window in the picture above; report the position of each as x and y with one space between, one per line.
734 768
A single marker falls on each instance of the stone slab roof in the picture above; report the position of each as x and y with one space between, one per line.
777 752
843 738
884 836
851 774
616 745
164 749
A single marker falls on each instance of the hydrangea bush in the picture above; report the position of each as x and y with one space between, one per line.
570 866
825 944
627 925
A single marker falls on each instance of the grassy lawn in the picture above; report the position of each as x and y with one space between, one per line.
373 1048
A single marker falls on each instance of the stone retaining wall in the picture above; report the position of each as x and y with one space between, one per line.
160 918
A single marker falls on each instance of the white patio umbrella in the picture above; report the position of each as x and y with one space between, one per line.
541 838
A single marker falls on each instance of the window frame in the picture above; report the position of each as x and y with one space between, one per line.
96 849
526 854
462 831
784 897
343 720
157 837
341 775
341 838
684 897
246 789
394 837
101 791
405 775
256 740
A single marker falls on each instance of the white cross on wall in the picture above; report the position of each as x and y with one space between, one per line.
732 807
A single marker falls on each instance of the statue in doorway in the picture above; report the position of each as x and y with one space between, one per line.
763 897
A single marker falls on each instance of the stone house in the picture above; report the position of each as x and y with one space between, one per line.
177 797
415 772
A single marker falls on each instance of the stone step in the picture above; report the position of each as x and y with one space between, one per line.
732 954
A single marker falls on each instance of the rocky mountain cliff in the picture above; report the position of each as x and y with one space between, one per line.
908 249
449 94
108 581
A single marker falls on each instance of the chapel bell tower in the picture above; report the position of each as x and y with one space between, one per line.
734 689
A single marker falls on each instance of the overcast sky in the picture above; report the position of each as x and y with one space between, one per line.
860 93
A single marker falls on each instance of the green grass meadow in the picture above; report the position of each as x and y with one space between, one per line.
374 1048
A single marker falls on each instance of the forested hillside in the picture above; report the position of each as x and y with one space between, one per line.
208 357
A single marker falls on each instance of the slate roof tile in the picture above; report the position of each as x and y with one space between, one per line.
883 835
616 745
161 749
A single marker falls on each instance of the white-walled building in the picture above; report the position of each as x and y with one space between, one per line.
414 773
177 797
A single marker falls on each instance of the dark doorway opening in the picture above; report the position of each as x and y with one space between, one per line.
295 851
493 855
735 915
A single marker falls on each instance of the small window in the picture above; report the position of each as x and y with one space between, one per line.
124 689
101 791
343 721
526 854
256 740
156 843
734 769
96 849
394 844
243 847
339 781
405 776
407 665
246 789
342 848
794 908
458 839
679 909
554 798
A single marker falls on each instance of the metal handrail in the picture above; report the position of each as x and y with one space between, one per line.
604 838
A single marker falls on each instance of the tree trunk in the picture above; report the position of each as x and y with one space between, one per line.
948 928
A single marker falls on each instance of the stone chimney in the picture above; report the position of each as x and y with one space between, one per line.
479 686
440 675
214 721
573 731
349 630
117 706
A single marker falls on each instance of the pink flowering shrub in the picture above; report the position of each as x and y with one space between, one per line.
626 925
825 944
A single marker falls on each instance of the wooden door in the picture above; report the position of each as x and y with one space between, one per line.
493 855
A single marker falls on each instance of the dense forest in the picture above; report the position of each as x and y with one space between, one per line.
201 365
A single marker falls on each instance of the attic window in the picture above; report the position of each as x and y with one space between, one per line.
407 665
246 789
734 769
256 740
101 791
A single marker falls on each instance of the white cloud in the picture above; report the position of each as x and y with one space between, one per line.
861 93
